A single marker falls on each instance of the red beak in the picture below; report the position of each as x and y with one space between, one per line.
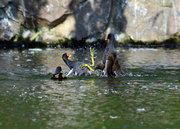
68 55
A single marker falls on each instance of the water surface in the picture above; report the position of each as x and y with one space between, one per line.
148 98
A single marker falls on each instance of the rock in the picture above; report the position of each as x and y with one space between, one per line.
77 19
89 20
152 20
66 29
2 13
118 21
8 29
10 21
122 37
40 13
3 3
91 17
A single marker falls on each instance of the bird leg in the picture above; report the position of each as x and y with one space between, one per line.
86 65
105 73
92 59
70 72
92 56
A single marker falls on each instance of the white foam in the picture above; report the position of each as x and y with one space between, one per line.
141 109
35 49
113 117
143 49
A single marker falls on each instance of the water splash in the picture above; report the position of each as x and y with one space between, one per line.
141 109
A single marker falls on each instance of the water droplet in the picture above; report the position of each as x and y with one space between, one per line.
18 65
113 117
141 109
40 97
28 60
16 58
33 119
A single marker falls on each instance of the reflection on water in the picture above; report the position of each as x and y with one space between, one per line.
152 58
45 61
147 98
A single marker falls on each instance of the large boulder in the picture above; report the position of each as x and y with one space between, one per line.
39 13
149 20
141 20
10 20
30 14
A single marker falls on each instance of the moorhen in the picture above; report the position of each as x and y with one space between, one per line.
76 67
109 48
112 67
58 74
109 63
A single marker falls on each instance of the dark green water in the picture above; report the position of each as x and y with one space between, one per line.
148 98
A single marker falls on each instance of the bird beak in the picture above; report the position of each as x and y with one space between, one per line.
56 76
68 55
106 38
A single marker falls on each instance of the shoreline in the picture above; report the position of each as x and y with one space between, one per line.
169 43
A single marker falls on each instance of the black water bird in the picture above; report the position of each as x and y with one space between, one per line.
109 63
109 48
113 67
75 66
58 74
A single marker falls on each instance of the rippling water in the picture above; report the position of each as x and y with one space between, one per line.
148 98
